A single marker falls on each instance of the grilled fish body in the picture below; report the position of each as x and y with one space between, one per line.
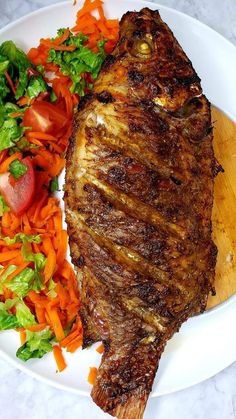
138 195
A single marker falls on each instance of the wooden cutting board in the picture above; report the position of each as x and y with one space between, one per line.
224 209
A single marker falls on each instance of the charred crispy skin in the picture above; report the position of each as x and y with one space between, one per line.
138 195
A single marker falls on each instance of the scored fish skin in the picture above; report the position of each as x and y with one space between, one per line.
138 200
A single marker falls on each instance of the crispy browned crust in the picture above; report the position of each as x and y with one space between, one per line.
138 196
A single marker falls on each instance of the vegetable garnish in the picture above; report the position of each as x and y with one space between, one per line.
39 91
92 375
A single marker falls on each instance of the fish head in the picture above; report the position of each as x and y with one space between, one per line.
149 64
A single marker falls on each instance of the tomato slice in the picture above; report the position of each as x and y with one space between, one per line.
45 117
20 195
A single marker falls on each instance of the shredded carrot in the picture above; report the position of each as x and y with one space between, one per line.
92 375
15 114
10 254
64 47
100 349
59 358
40 314
3 154
50 266
22 337
60 39
23 101
37 327
69 339
10 82
40 136
56 323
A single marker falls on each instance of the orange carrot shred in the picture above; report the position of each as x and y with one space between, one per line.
37 327
10 82
92 375
4 256
100 349
56 323
22 337
59 358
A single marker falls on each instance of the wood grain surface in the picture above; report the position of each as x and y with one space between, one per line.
224 209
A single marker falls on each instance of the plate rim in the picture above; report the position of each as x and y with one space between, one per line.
209 312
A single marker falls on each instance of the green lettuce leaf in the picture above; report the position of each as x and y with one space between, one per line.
10 133
14 54
19 61
23 238
8 320
36 346
4 63
23 317
17 169
51 289
36 85
21 284
39 263
4 89
23 82
23 314
7 272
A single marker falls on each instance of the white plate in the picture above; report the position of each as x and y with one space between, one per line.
205 344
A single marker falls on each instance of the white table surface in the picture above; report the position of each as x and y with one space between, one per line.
22 396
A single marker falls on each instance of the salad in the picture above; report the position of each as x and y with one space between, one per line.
39 92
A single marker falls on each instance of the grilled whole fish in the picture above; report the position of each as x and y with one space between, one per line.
138 196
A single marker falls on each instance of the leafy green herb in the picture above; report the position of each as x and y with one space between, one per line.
4 276
4 89
17 61
14 54
53 96
36 85
81 60
7 320
39 264
51 289
3 206
23 238
36 346
17 169
21 283
54 186
7 272
40 68
9 303
22 145
4 63
28 279
10 133
23 314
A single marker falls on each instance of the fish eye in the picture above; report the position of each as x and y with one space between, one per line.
144 48
141 48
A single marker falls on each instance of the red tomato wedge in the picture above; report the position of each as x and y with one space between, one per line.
45 117
20 195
